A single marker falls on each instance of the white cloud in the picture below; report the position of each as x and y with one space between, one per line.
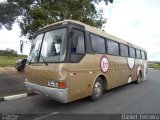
11 39
136 21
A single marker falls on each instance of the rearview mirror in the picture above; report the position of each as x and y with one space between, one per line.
21 46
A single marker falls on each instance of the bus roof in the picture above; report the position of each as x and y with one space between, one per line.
98 32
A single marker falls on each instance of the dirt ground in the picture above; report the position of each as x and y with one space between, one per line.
7 70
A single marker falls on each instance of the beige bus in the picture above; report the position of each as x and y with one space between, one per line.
70 60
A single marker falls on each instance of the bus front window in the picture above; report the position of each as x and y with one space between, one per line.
54 46
33 55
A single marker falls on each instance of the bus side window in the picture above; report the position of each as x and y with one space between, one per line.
132 52
113 47
98 44
138 54
77 45
124 50
145 55
80 45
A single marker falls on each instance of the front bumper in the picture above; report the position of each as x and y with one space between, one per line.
59 95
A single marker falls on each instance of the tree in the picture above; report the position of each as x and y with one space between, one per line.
35 14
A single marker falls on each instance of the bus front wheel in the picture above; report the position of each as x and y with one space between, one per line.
97 91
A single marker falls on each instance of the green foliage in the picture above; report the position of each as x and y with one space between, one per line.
155 65
9 61
35 14
9 57
9 13
8 52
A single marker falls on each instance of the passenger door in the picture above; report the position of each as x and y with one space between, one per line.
77 73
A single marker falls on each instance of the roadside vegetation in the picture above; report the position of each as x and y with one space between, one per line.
8 58
155 65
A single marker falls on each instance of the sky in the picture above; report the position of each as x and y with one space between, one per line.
136 21
11 39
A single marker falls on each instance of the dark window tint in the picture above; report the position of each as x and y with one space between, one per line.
143 55
77 46
132 52
98 44
113 47
138 54
124 50
80 44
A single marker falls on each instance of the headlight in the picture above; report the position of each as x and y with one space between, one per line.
52 83
57 84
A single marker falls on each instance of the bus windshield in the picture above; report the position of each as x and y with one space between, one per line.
53 46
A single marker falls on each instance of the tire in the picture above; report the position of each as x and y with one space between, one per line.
18 70
97 91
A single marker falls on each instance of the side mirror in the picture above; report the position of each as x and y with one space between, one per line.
21 46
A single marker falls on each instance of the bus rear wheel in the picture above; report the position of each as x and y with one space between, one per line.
97 91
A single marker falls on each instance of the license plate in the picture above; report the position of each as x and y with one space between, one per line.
51 83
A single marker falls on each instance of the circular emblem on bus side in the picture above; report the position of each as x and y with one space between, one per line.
104 64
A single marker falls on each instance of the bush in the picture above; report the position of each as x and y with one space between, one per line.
9 58
154 65
8 52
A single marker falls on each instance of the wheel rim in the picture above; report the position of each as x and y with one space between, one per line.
97 89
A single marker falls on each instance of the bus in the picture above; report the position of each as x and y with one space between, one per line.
70 60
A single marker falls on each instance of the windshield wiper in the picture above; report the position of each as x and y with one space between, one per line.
33 56
44 60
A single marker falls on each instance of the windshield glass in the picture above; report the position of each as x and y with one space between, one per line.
36 43
54 46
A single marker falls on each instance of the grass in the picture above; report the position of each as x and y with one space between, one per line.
9 61
154 65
